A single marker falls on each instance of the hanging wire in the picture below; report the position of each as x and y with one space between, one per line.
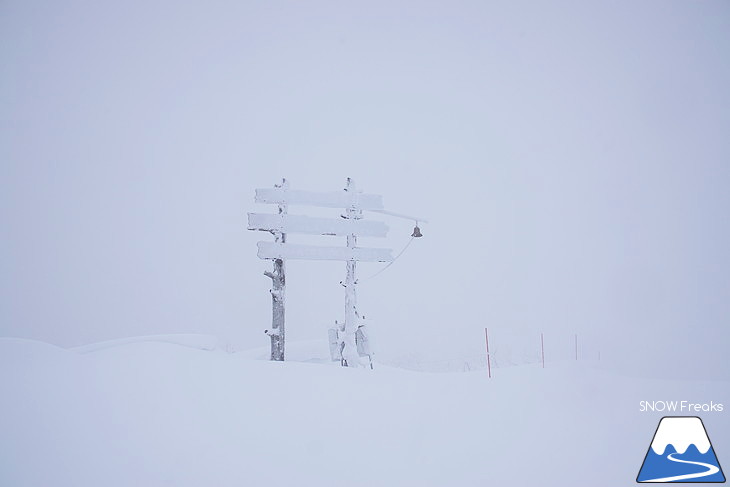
389 263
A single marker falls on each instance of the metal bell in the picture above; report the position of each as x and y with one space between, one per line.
416 232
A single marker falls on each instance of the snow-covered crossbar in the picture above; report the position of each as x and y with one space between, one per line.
285 223
271 250
332 199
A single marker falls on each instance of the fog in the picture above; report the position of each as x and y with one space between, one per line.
571 159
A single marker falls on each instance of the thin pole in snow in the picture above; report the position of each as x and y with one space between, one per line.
576 346
542 349
489 365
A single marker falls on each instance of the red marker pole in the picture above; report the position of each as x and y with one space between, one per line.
542 349
489 365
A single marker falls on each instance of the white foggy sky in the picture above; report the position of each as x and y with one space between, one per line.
571 157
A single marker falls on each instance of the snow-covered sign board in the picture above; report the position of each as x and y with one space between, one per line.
351 225
333 199
272 250
285 223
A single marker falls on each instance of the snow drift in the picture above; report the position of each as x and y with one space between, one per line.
159 413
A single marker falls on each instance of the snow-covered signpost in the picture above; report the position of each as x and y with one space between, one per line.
351 225
278 280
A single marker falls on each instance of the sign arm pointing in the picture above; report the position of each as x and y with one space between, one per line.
400 215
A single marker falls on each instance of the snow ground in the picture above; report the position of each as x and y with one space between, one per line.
177 411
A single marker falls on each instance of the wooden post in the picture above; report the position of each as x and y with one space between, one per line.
542 349
350 357
489 365
278 295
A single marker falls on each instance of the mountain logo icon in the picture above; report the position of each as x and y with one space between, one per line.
680 452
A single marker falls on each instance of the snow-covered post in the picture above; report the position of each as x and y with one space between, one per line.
349 352
278 279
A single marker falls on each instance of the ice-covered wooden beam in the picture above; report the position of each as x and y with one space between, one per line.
334 199
272 250
285 223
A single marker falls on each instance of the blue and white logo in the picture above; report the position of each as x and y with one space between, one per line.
680 452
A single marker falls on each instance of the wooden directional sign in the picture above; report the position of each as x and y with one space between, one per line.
285 223
351 226
272 250
334 199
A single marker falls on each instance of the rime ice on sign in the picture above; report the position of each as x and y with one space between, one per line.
315 226
272 250
351 225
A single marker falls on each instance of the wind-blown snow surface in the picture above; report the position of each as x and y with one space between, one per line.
159 413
